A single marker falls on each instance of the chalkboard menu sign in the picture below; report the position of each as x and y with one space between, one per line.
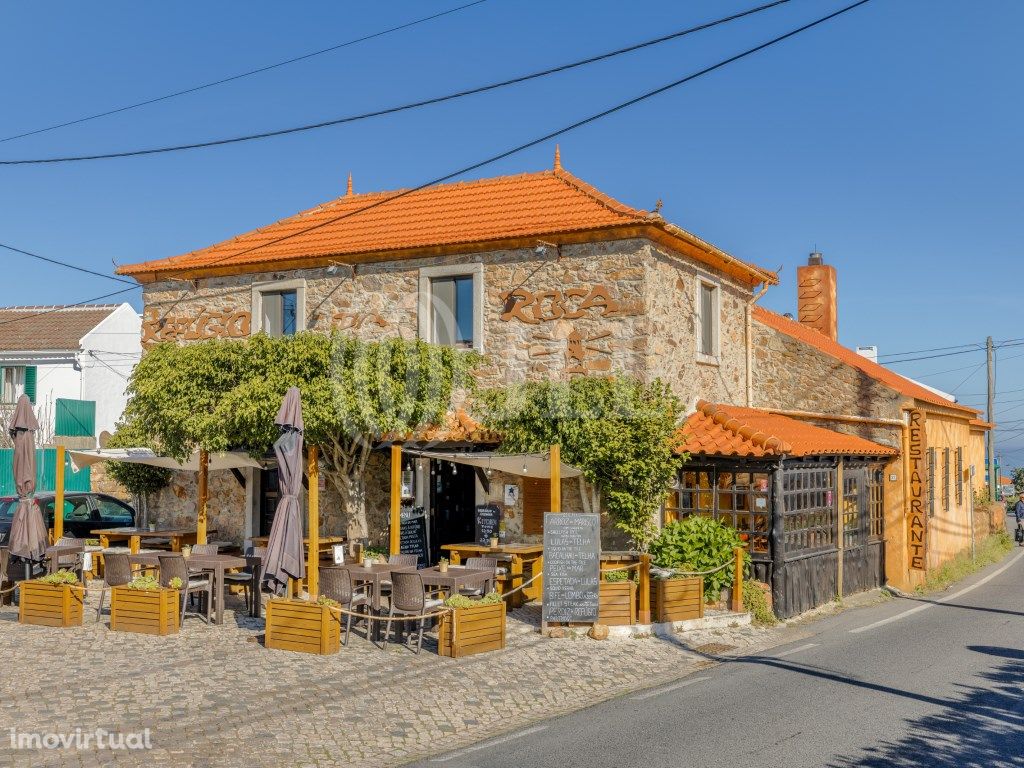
413 538
488 518
572 564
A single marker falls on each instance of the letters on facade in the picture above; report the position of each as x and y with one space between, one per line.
917 515
544 306
227 324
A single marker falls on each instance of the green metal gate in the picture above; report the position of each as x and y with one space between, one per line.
46 472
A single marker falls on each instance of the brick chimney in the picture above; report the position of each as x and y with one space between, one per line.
816 296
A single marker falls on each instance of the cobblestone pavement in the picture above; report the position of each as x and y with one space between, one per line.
214 696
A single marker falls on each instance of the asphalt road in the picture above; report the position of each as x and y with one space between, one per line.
909 682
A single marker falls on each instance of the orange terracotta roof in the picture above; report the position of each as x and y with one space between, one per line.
982 424
834 349
729 430
355 227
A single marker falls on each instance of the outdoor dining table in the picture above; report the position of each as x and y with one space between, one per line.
373 576
523 559
458 577
134 536
215 564
57 551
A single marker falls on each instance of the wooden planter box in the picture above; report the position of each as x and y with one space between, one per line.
466 631
51 605
617 605
151 612
677 599
299 625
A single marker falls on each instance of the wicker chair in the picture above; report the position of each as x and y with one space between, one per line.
408 598
482 564
5 558
250 577
117 572
205 549
403 561
336 583
173 566
74 562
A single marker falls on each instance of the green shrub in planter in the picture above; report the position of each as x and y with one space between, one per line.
699 544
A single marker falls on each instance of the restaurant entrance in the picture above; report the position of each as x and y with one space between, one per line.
270 493
452 505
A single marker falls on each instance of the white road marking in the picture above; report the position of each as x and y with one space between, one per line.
668 688
490 743
945 599
791 651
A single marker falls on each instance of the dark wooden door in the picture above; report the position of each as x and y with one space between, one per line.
452 505
860 569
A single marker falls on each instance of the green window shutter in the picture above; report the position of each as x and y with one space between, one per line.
75 418
30 383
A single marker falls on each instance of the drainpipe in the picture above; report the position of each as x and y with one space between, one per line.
750 342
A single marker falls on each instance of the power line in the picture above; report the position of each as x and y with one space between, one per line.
241 75
395 109
554 134
933 349
1016 343
60 263
69 306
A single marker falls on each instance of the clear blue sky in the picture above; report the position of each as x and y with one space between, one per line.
889 138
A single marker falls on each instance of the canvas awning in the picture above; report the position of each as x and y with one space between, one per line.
218 461
522 464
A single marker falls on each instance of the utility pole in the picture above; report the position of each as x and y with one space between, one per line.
992 479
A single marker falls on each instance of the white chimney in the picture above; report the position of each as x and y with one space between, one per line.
871 353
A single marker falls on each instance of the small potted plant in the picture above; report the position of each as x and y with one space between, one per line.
54 600
186 550
142 605
442 565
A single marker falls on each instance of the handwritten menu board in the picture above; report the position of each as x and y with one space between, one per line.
488 518
413 537
572 564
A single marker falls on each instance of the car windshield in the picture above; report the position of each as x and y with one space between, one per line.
7 507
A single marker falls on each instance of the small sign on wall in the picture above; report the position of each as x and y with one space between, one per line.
511 494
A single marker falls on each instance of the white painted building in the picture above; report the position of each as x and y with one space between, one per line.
66 358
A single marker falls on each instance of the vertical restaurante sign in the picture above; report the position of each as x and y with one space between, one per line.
918 515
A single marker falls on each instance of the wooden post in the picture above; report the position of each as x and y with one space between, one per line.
840 528
737 581
555 457
313 556
204 496
644 587
395 542
58 501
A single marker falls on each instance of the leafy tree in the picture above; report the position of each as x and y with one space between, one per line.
140 480
1018 480
619 431
224 395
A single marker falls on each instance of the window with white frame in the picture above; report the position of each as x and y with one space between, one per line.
279 307
13 383
708 313
451 305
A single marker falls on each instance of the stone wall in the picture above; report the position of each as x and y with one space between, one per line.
791 375
623 306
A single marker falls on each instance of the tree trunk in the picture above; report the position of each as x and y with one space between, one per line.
352 491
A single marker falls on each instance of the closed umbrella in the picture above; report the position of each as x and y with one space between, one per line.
285 557
28 530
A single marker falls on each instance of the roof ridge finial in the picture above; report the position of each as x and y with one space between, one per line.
558 158
348 190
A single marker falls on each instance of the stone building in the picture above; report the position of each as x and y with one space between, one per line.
550 278
544 275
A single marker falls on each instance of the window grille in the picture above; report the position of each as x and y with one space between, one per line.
931 482
959 476
809 509
945 479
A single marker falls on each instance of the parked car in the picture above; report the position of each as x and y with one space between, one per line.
83 513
